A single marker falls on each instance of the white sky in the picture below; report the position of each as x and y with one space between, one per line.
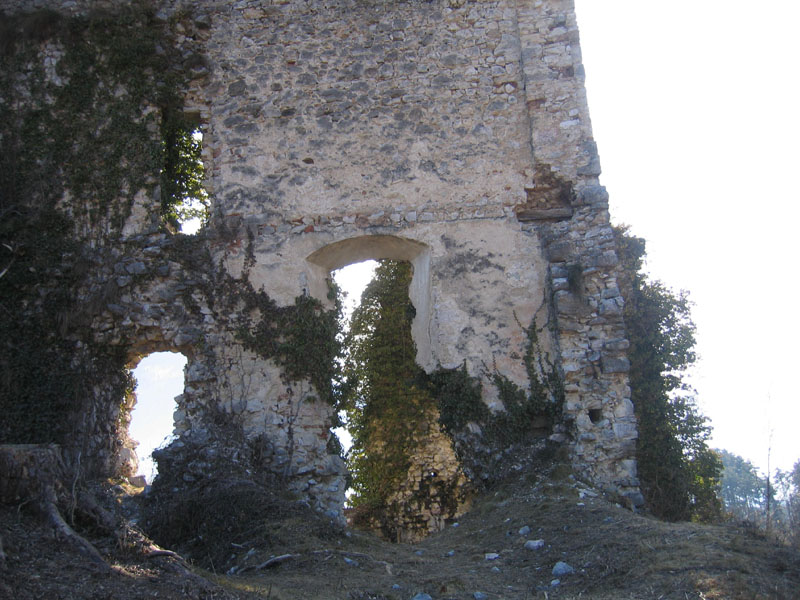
352 279
695 108
159 379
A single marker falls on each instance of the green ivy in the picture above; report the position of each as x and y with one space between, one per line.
302 338
390 401
48 362
80 125
679 473
459 397
182 194
460 400
388 406
73 129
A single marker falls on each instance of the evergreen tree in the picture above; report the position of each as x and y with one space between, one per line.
787 484
679 474
183 196
386 406
742 490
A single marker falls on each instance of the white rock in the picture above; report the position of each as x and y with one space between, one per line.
562 568
534 544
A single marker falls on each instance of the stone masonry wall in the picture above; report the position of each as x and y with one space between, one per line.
439 125
588 305
453 130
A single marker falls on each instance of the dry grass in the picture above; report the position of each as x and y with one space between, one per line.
616 555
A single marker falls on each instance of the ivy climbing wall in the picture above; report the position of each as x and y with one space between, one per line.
452 134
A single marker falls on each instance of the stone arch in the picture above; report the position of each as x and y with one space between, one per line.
377 247
433 489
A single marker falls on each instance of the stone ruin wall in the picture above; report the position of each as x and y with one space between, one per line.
454 134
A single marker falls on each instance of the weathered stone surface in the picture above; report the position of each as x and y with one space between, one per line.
451 133
616 365
534 544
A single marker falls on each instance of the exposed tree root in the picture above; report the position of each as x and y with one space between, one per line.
56 521
158 553
31 473
275 561
176 565
385 564
89 507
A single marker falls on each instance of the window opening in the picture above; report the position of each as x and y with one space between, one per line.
159 379
401 475
336 255
379 398
184 201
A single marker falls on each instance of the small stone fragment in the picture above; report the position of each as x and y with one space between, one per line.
562 568
479 596
422 596
534 544
524 530
491 556
237 88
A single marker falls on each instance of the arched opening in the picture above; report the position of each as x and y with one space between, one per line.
334 256
405 477
159 380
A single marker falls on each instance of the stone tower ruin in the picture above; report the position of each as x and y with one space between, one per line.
453 134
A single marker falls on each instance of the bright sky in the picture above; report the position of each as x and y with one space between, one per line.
159 378
695 108
352 279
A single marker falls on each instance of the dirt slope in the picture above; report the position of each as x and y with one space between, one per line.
615 554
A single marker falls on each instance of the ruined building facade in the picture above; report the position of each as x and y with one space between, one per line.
453 134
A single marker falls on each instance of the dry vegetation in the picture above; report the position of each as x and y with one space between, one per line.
615 554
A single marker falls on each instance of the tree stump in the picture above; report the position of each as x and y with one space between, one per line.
27 469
